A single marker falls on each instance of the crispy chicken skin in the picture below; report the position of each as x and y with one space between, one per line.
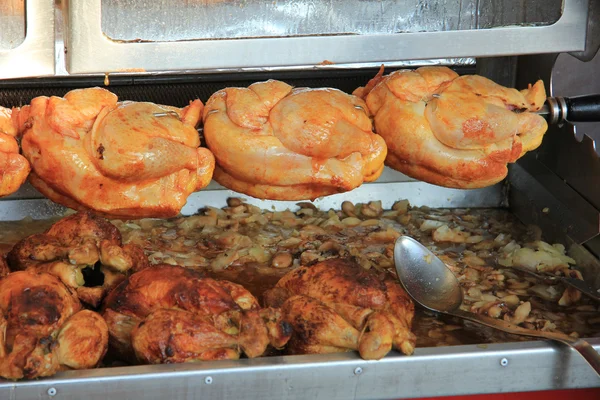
169 314
272 141
452 131
83 250
89 151
14 168
44 329
336 305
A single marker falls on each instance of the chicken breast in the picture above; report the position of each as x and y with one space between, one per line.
450 130
272 141
336 305
125 159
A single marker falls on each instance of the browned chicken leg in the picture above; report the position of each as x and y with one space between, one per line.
336 305
167 314
83 250
44 329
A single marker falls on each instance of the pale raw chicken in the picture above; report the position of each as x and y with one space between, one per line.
453 131
14 168
170 314
123 159
336 305
44 330
272 141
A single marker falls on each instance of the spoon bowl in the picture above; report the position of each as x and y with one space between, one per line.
425 277
431 284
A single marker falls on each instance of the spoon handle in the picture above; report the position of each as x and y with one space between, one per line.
583 347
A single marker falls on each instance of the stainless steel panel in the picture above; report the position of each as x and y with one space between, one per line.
458 370
418 193
34 56
91 51
12 21
170 20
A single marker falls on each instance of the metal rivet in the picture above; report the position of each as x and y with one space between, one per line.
357 371
504 362
52 392
208 380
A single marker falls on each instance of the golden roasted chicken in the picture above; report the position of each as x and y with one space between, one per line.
453 131
272 141
336 305
14 168
169 314
84 251
127 159
43 328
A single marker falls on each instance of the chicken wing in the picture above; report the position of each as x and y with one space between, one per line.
167 314
44 329
83 250
14 168
124 159
336 305
453 131
275 142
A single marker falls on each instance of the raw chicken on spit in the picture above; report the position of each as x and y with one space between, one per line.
125 159
169 314
336 305
453 131
14 168
43 328
272 141
84 251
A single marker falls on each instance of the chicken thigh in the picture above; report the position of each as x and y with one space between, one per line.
272 141
336 305
83 250
44 329
14 168
453 131
125 159
169 314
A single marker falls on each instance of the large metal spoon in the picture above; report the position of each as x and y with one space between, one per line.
431 284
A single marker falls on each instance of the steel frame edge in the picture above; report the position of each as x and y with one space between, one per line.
35 55
456 370
90 51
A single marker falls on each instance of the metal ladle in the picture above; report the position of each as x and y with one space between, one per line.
431 284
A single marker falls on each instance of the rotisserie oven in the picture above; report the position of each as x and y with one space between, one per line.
201 198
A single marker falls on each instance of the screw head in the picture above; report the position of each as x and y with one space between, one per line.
208 380
52 392
358 371
504 362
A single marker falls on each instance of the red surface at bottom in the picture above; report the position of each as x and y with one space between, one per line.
579 394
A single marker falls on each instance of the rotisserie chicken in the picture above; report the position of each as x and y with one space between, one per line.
44 329
14 168
272 141
84 251
336 305
124 159
453 131
169 314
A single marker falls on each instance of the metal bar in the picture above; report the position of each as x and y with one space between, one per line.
90 51
441 371
35 55
418 193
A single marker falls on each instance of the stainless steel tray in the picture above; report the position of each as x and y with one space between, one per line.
458 370
439 371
